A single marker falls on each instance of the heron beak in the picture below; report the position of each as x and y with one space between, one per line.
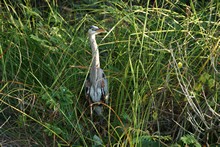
100 31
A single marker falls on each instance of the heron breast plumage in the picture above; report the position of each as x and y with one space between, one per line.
95 94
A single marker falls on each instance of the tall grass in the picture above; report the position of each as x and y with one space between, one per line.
160 57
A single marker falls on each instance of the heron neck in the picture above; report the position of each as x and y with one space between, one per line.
95 52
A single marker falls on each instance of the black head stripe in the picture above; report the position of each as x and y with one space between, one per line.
94 28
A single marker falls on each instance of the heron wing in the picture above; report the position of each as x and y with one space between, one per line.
87 86
99 93
104 88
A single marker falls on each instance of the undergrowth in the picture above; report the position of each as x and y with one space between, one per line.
161 59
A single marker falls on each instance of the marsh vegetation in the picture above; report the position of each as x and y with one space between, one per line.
161 58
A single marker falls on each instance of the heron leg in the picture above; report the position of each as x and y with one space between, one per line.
90 105
91 111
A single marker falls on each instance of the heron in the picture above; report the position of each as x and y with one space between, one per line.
96 82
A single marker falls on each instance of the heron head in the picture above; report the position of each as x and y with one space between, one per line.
94 30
